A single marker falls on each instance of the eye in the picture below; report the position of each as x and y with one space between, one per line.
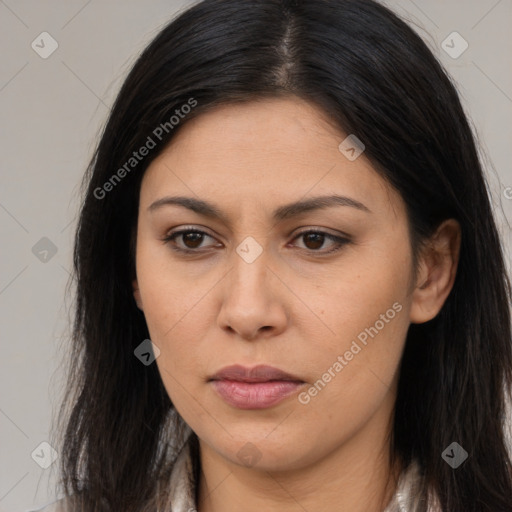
314 239
192 239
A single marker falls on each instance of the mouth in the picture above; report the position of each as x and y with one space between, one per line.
260 373
254 388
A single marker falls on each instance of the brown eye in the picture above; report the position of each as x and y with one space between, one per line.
314 240
191 240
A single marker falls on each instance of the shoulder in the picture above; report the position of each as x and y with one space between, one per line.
60 505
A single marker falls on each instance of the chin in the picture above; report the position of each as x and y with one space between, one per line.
259 450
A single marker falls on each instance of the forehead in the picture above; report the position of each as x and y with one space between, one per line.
266 151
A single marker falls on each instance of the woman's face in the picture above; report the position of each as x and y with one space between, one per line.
256 290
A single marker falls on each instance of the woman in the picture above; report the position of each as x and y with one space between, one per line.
291 293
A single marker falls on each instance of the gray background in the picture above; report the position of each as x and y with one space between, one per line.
51 112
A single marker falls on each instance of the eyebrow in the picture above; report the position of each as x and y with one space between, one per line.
282 213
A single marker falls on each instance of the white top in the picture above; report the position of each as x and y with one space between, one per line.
182 490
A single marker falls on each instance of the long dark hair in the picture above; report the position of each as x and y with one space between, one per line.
374 77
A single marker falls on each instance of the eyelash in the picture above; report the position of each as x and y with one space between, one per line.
340 241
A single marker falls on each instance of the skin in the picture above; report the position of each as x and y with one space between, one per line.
291 307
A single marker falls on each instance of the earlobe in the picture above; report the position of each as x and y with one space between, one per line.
438 268
136 294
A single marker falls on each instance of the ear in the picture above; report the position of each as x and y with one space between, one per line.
437 269
136 294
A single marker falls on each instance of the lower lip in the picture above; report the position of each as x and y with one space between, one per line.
255 395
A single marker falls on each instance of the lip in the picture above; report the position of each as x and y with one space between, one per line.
260 373
254 388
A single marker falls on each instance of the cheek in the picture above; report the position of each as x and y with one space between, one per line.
368 302
366 347
367 314
166 295
356 374
168 309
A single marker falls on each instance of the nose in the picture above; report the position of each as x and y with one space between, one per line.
253 304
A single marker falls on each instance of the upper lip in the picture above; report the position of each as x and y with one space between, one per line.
260 373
